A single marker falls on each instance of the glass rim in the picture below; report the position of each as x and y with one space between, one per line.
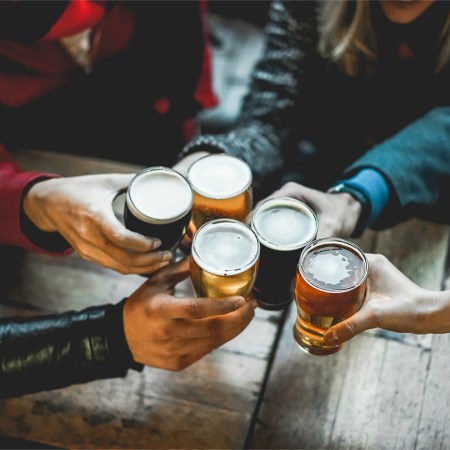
330 241
228 272
278 247
221 196
152 220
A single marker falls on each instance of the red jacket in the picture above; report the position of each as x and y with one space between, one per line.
33 66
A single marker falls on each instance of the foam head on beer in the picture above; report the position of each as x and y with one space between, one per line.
334 268
225 247
284 223
159 195
220 176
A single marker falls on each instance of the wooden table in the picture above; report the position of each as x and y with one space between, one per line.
383 390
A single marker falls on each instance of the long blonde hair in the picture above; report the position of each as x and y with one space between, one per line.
347 36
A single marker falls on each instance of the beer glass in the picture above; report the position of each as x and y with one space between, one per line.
224 259
330 287
222 188
284 226
158 204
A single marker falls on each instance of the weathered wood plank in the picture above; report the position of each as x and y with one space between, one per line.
209 405
381 390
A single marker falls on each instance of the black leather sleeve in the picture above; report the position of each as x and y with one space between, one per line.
55 351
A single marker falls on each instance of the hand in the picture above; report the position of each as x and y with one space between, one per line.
80 209
338 214
395 303
182 166
172 333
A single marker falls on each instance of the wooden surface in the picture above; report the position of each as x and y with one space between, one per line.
381 391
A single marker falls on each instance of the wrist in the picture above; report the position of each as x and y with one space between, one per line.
359 205
436 315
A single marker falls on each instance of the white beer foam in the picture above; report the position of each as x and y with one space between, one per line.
161 195
285 226
219 176
338 269
226 247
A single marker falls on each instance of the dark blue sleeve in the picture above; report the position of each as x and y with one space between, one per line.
416 164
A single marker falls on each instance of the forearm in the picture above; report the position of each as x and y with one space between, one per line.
263 136
55 351
437 312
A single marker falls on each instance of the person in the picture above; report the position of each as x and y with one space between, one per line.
395 303
350 98
55 215
113 79
151 327
106 79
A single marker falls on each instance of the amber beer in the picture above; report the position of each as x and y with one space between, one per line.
158 204
222 188
284 226
330 287
224 259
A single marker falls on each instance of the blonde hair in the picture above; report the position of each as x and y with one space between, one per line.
347 36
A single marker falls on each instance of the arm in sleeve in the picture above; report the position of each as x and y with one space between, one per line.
55 351
15 228
416 164
262 135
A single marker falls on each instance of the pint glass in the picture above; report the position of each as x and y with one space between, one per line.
330 287
284 226
224 259
222 188
158 204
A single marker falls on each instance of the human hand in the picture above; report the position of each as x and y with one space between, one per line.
337 213
172 333
80 209
182 166
395 303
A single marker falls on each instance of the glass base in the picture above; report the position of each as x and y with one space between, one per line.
313 346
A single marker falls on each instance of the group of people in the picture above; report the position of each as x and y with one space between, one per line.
347 111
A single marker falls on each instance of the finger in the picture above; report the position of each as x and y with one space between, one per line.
183 352
216 326
347 329
118 235
194 308
171 274
127 266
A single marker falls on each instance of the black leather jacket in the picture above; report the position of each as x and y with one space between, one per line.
55 351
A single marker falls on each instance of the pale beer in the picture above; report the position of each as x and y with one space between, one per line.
224 259
222 188
330 287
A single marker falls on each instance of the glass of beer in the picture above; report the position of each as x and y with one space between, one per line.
158 204
222 188
224 259
330 287
284 226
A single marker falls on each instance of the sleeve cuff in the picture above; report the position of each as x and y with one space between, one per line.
117 344
375 187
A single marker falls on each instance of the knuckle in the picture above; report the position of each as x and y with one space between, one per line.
194 309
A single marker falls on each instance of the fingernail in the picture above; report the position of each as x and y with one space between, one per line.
254 304
239 303
331 337
156 243
167 256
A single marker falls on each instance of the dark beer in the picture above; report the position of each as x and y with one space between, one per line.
222 188
158 204
284 226
224 259
330 287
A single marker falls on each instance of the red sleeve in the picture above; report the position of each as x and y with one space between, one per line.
13 182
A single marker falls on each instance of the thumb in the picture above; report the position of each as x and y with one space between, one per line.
349 328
